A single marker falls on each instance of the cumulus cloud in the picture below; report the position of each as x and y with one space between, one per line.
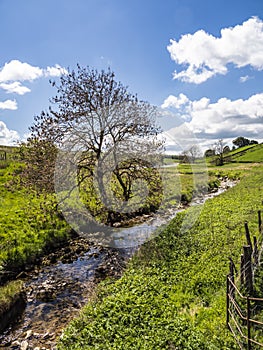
21 71
15 87
55 71
204 55
8 104
224 118
7 136
15 72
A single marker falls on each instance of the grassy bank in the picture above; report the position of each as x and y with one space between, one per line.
28 223
172 295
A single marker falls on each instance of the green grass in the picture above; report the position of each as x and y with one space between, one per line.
28 223
9 293
246 154
241 150
253 154
172 295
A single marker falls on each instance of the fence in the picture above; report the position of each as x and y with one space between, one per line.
244 312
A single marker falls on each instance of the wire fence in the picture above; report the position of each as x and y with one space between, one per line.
244 310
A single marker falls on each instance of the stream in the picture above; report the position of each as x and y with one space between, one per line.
66 280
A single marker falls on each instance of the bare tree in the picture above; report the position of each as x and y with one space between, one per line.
97 118
191 154
219 151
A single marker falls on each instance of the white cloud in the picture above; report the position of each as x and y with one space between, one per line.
16 70
21 71
7 136
205 55
8 104
55 71
245 78
15 87
224 118
174 101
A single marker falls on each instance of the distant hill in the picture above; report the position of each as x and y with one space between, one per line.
247 154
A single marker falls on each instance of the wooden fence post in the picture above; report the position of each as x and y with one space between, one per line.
227 301
248 269
249 242
232 269
255 251
259 221
242 270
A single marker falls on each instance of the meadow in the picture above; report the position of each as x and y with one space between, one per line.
172 294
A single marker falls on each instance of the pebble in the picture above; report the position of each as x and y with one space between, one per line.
15 343
28 334
24 345
46 335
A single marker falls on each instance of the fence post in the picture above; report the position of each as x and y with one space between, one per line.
232 278
255 251
242 270
249 242
248 269
248 325
227 302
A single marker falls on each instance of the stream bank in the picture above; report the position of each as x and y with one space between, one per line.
57 289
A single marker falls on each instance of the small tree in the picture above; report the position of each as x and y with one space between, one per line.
209 153
191 154
219 151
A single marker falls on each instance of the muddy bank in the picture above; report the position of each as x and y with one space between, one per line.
13 311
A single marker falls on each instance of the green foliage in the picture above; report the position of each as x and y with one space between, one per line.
172 295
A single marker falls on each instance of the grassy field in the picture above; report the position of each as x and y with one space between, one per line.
172 295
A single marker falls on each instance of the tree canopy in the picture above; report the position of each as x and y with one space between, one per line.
243 141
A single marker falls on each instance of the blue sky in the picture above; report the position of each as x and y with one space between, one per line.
200 61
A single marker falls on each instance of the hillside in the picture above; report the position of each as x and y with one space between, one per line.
248 154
